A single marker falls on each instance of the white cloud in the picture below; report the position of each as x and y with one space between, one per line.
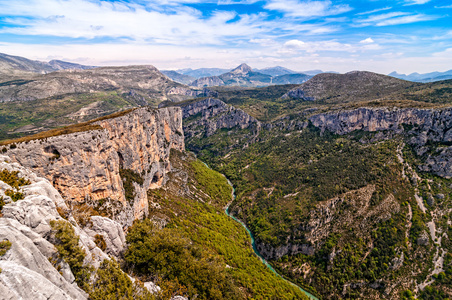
307 9
373 11
367 41
85 19
393 18
334 46
416 2
406 20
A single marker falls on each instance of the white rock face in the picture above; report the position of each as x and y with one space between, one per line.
111 231
27 272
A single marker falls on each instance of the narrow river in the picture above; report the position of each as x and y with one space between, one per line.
253 243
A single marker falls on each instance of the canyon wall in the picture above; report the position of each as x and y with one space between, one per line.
86 166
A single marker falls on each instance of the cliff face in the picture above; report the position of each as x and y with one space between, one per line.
426 126
210 115
86 166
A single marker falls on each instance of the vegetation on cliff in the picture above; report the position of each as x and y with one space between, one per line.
201 250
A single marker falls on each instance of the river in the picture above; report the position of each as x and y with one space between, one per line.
253 243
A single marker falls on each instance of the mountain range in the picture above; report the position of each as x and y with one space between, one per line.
426 77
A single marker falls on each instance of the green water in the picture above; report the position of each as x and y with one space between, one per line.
253 243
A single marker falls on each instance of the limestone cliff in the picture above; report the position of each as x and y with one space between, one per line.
422 126
86 166
211 114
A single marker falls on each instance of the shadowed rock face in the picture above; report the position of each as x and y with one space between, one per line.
87 164
216 114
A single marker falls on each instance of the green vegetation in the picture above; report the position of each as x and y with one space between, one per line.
285 175
211 182
128 178
5 245
66 242
201 250
111 283
13 179
169 256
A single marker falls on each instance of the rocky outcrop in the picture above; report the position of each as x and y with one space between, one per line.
192 93
212 115
32 268
86 165
111 231
271 252
207 81
422 126
350 210
297 94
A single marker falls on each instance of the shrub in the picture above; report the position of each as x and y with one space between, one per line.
14 195
66 242
12 178
5 245
112 283
100 241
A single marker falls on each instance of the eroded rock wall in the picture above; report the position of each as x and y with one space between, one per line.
86 165
214 115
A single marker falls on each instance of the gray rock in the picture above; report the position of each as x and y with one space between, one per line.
111 231
423 239
215 115
18 282
152 287
29 255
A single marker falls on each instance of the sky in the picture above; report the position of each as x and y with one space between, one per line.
374 35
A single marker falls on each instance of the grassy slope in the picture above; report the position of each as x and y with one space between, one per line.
207 226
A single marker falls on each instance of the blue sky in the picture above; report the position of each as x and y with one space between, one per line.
376 35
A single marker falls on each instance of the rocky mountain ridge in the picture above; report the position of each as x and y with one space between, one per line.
144 81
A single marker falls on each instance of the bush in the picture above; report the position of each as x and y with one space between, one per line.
112 283
12 178
5 245
66 242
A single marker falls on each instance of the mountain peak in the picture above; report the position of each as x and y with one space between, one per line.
242 69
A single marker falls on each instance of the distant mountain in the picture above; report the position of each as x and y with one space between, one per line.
426 77
291 79
243 75
64 65
178 77
203 72
12 67
348 87
144 83
275 71
312 72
